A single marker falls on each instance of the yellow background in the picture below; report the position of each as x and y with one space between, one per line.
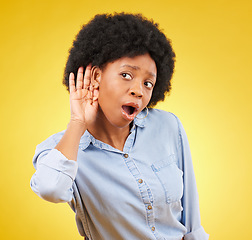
211 95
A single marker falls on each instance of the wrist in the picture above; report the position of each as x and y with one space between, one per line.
77 126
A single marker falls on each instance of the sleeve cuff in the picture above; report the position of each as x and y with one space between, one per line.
198 234
56 160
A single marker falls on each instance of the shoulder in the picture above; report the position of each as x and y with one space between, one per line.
167 123
164 125
165 119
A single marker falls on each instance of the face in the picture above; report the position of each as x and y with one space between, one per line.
125 88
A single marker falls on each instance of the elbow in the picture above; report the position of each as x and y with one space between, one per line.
55 189
52 193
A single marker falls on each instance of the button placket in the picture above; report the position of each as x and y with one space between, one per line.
145 191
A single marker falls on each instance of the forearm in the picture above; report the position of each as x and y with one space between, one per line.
69 143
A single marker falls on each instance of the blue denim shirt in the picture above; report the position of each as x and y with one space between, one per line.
147 191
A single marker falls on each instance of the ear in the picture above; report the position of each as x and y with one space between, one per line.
95 76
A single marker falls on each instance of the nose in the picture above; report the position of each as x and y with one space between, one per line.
136 90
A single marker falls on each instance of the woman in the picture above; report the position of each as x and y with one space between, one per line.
126 171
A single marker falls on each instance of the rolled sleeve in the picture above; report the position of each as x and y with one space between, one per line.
56 160
54 176
198 234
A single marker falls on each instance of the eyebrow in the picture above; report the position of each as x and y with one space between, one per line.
137 68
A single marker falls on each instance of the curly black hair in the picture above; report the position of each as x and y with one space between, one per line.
109 37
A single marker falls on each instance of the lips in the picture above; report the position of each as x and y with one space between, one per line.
129 110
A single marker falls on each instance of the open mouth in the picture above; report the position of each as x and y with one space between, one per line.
129 111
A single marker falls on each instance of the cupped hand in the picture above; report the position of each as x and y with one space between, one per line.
83 97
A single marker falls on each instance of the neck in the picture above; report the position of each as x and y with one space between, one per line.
104 131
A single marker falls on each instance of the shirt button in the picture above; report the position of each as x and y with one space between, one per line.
153 229
126 155
140 180
149 207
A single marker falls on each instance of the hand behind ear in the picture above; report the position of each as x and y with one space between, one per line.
83 97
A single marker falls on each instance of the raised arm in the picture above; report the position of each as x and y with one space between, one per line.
84 107
55 158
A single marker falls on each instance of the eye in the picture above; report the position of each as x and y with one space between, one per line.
149 84
126 76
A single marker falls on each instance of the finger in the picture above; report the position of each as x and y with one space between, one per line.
79 84
71 83
91 90
96 94
87 77
89 96
95 104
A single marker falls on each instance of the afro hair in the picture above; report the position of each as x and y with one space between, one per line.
108 37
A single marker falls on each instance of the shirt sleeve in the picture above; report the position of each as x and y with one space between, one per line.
190 199
54 174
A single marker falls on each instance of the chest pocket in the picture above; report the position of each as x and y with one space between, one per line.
171 178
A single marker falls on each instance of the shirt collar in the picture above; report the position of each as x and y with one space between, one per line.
87 138
140 119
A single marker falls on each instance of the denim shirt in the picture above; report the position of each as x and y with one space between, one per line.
147 191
